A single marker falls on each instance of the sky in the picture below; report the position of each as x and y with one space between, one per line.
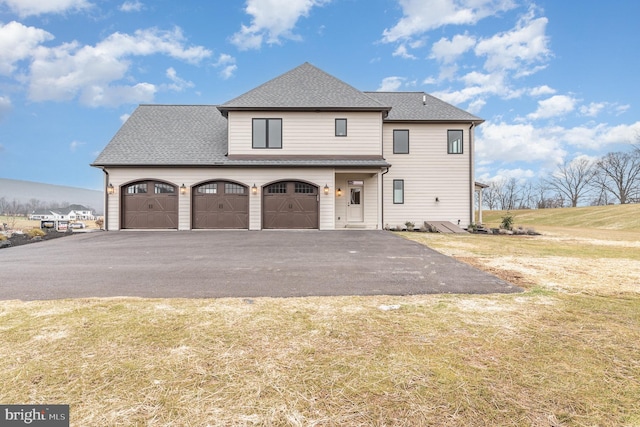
553 80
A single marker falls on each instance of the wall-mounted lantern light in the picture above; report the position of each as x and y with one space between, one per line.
339 192
110 189
437 199
254 189
183 189
326 189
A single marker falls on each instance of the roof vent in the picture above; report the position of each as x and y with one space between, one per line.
424 99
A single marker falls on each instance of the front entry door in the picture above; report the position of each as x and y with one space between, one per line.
355 204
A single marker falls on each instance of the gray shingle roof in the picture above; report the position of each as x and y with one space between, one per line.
192 135
196 135
419 106
169 135
304 87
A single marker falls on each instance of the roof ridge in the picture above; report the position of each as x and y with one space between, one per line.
304 87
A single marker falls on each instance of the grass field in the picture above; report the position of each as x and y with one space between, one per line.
566 352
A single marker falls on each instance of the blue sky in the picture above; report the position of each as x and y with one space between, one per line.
554 80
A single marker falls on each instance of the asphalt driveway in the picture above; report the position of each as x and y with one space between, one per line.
212 264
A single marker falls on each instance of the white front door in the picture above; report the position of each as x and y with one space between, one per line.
355 203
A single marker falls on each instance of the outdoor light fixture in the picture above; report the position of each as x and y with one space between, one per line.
110 189
326 189
183 189
437 200
254 189
339 192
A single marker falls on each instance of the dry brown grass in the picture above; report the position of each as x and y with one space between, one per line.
603 262
24 223
564 353
534 359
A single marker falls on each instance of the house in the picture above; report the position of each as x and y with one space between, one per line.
69 213
304 150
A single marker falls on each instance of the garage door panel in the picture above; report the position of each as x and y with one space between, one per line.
144 209
221 205
290 205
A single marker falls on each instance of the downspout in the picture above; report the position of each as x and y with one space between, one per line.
382 195
471 173
106 199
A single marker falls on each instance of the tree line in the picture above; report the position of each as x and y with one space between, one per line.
16 208
611 179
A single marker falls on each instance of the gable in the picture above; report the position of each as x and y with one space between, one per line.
304 87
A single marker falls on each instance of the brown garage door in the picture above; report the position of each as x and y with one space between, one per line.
149 204
290 204
220 204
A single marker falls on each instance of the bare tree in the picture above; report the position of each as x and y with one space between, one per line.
509 199
573 180
4 206
491 196
527 195
619 174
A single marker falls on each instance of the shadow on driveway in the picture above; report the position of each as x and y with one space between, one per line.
214 264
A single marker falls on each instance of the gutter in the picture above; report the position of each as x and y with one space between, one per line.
382 196
471 173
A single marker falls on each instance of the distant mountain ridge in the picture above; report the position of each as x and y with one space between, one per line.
23 191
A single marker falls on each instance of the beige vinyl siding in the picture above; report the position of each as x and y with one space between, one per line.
194 176
309 133
428 172
370 199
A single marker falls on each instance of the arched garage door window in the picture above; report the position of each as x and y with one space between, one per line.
290 204
220 204
149 205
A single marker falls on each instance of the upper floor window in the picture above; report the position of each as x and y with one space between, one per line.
454 141
267 133
341 127
400 141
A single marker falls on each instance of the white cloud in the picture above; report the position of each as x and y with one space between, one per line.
66 71
542 90
420 16
5 106
131 6
519 174
17 43
124 117
391 84
593 109
503 142
524 46
178 84
228 65
557 105
26 8
599 135
112 96
478 86
402 52
447 51
546 147
475 106
271 21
